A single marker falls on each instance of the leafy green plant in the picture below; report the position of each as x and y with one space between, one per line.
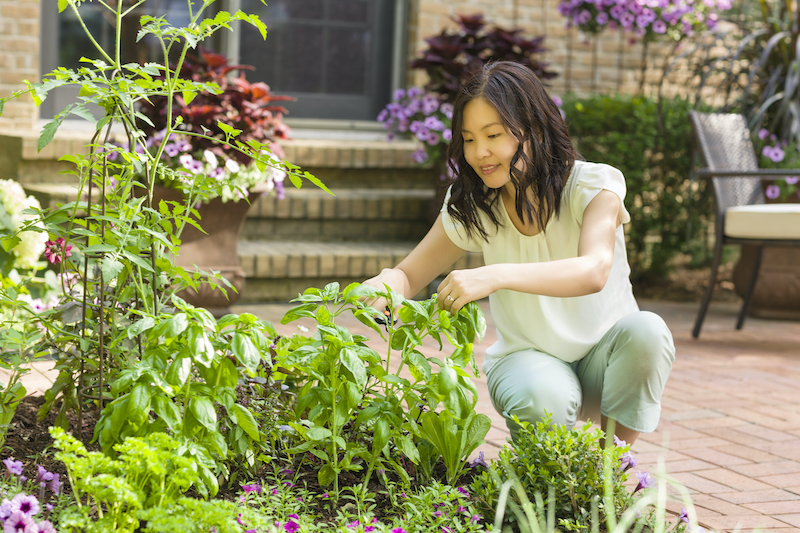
567 465
113 247
185 383
109 493
355 413
650 142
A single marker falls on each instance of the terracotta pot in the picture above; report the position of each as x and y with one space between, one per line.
217 249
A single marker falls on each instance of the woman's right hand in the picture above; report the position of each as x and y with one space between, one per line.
394 278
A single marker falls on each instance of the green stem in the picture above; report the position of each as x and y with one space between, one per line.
89 34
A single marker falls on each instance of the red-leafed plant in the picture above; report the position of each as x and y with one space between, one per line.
245 106
452 56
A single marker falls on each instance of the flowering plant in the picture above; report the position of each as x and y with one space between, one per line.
776 153
13 205
646 19
186 167
425 115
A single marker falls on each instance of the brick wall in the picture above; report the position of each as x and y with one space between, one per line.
604 63
19 60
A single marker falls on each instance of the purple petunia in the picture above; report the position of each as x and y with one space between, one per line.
791 180
15 467
684 516
772 192
26 504
253 487
399 530
646 481
19 522
775 153
420 155
627 461
463 492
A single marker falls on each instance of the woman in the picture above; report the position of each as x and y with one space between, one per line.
571 340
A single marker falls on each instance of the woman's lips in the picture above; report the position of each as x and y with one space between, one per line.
488 169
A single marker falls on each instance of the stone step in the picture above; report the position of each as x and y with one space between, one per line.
350 215
280 270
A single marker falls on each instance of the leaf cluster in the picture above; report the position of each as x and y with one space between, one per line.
356 412
566 465
453 56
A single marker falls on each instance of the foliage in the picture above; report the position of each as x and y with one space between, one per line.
247 107
649 142
112 495
21 509
452 56
779 154
354 412
646 19
117 315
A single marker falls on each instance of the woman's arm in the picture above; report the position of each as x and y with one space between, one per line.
432 256
586 273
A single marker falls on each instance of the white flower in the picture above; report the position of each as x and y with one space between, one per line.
13 202
232 165
211 159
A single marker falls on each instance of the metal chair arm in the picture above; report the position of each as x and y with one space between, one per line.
707 173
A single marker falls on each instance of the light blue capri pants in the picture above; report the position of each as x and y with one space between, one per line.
622 378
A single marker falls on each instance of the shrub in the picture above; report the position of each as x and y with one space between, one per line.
452 56
563 465
650 142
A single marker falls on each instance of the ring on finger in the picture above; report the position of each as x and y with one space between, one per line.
449 298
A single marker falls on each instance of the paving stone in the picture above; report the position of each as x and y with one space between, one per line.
776 508
716 457
732 479
767 469
770 495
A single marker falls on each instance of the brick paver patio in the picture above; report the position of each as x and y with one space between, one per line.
730 427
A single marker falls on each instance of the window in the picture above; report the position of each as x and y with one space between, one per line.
339 58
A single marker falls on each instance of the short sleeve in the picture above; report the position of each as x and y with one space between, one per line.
589 180
456 231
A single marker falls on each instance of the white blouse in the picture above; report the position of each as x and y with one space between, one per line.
566 328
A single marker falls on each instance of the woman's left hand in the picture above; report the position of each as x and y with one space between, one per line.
463 286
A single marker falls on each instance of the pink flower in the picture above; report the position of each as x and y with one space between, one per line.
772 192
25 503
763 134
19 522
56 251
645 481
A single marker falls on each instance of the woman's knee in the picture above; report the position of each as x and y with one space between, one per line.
645 341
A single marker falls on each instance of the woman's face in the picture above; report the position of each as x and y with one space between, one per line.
488 145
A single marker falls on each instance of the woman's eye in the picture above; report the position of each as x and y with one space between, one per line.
494 135
467 141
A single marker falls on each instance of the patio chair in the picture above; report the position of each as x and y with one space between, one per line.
743 216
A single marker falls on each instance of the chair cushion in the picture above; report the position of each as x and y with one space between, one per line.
764 221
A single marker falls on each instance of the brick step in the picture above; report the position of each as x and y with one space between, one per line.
350 215
280 270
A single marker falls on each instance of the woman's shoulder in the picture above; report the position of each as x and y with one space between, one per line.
594 176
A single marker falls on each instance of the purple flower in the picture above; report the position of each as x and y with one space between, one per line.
43 474
172 149
601 19
433 123
437 514
791 180
398 94
413 92
15 467
619 442
368 529
463 491
184 145
44 527
447 110
659 26
476 518
55 252
627 461
584 17
420 155
254 487
55 484
645 481
447 135
19 522
5 509
354 524
25 504
433 138
399 530
772 192
627 20
461 509
684 516
429 104
479 461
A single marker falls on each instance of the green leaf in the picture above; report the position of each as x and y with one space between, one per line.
381 433
141 326
176 325
406 446
318 433
110 268
48 132
355 365
167 411
245 351
179 371
62 5
202 348
326 475
246 421
139 403
203 410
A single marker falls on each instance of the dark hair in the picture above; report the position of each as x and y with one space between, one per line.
528 113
